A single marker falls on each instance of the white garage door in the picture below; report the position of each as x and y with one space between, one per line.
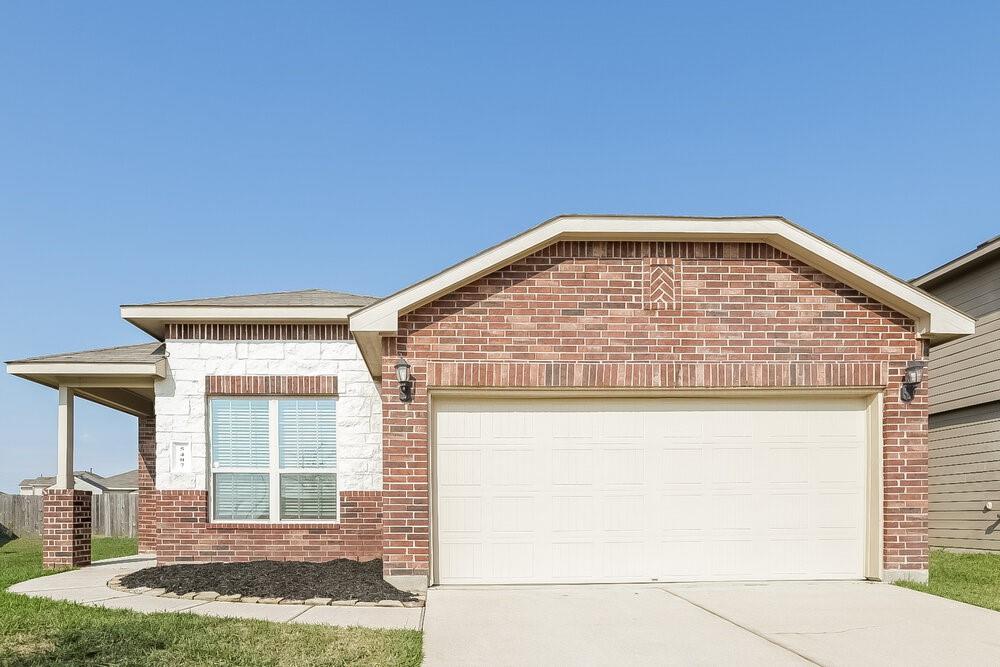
619 490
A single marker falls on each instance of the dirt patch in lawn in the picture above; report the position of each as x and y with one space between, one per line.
340 579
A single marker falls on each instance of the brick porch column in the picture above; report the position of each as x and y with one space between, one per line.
66 528
147 485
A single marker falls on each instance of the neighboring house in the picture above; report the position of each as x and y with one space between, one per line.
965 406
600 398
87 480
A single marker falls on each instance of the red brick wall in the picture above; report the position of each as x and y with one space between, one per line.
186 535
66 527
147 485
583 314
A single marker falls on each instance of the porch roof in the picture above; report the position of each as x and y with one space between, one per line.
118 377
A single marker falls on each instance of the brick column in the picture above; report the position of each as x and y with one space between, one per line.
147 485
66 528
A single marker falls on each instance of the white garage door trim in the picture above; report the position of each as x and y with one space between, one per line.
872 562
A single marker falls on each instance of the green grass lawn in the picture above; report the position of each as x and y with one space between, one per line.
966 577
36 631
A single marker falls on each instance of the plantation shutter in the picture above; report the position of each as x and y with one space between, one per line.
307 433
308 496
241 496
240 434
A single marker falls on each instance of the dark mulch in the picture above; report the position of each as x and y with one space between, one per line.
340 579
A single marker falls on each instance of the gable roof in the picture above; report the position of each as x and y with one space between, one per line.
311 305
983 252
935 319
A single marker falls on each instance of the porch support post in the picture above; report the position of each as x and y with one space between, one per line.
64 464
66 512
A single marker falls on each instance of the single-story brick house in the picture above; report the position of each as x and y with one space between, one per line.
598 399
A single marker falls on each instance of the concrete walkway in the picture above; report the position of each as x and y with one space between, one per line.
89 586
794 623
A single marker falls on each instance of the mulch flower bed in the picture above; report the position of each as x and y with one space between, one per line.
340 579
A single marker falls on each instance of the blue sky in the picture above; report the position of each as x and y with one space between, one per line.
197 149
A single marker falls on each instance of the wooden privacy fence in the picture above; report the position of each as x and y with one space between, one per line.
114 514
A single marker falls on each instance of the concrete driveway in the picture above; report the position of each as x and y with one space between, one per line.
795 623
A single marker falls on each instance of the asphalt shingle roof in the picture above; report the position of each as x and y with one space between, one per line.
91 477
125 354
309 297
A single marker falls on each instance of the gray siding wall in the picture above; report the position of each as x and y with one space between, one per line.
975 292
966 372
964 475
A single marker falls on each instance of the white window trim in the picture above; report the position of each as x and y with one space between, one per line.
273 470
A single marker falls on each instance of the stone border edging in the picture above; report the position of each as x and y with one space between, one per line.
211 596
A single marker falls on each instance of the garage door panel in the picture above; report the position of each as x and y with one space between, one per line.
623 466
462 514
732 465
462 561
513 561
460 467
512 467
625 561
789 465
623 514
839 465
513 514
733 559
682 560
572 467
788 512
685 466
589 490
573 514
682 512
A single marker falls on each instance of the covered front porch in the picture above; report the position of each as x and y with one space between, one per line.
121 378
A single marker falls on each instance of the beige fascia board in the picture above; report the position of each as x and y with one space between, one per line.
956 264
83 370
153 319
935 319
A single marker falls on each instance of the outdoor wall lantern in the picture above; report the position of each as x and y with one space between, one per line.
911 378
405 380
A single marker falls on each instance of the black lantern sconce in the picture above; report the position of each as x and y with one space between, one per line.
912 376
405 380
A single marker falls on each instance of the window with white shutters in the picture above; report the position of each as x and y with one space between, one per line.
274 459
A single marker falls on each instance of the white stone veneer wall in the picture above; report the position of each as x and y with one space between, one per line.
181 403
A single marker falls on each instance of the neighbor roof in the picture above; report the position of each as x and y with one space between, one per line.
983 251
86 475
124 480
312 305
935 319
